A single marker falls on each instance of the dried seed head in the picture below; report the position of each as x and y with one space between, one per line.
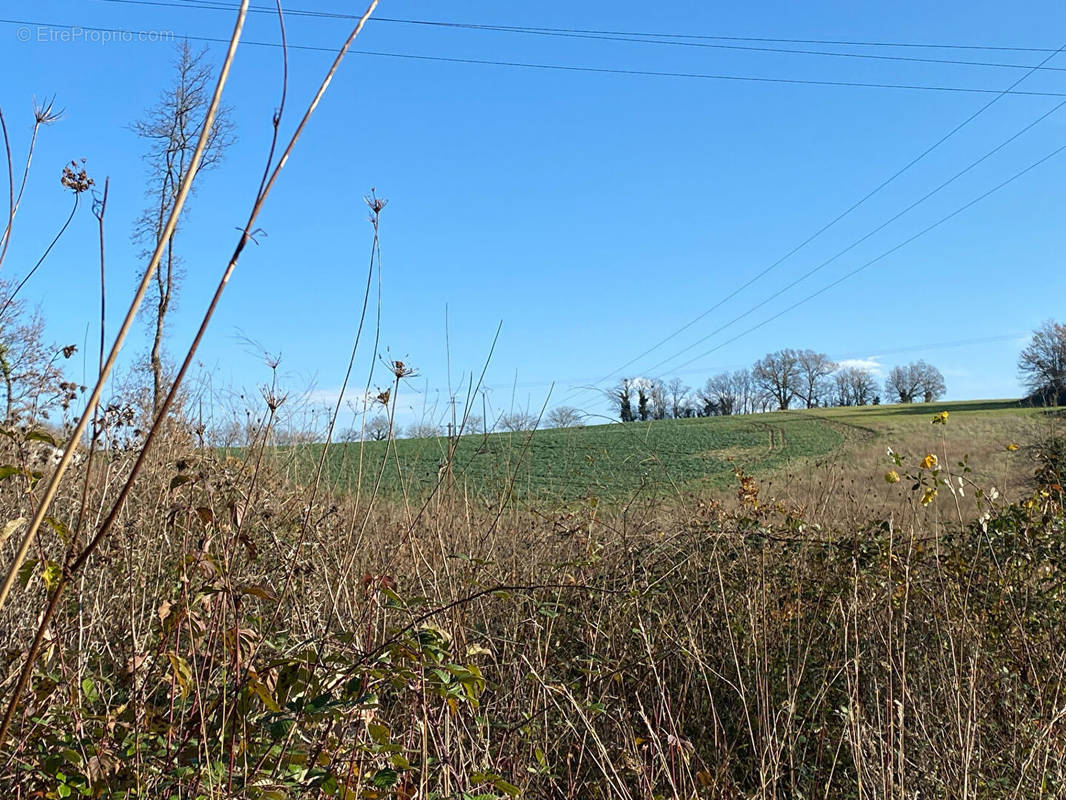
46 114
375 203
76 178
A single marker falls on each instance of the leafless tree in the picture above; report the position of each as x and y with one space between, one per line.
916 380
778 376
814 371
728 393
170 130
1042 364
855 386
378 429
657 399
718 396
931 382
518 421
422 430
31 378
564 417
678 394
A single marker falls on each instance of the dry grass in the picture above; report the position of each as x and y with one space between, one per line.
234 640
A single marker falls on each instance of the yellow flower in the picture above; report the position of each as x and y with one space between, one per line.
891 476
929 496
1012 447
941 418
930 461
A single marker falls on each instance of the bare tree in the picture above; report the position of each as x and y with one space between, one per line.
422 430
678 394
518 421
931 384
814 370
718 396
902 383
777 375
378 429
564 417
1042 364
916 380
31 378
657 399
855 386
171 129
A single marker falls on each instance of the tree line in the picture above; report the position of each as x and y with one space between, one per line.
780 380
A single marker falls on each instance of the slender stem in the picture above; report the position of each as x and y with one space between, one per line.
44 255
79 430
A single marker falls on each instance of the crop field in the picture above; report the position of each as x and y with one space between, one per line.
617 462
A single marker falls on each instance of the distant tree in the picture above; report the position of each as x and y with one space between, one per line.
902 383
855 386
422 430
814 370
718 396
658 399
1042 364
518 421
171 129
778 376
746 392
378 429
473 423
643 401
678 394
931 384
916 380
564 417
621 397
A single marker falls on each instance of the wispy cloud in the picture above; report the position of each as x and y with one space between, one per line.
871 363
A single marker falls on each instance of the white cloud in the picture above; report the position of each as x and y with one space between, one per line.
869 363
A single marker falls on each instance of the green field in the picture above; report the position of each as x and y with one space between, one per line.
662 457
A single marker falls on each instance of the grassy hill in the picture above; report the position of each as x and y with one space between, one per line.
664 457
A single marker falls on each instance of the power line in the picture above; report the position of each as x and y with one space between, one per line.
563 67
879 258
866 236
205 5
837 219
218 5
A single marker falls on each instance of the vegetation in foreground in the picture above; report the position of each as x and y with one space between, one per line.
181 624
246 637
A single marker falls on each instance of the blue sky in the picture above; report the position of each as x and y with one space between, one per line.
593 214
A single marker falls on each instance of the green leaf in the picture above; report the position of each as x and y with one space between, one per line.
42 436
385 778
51 575
378 732
62 531
508 789
88 688
27 571
7 470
